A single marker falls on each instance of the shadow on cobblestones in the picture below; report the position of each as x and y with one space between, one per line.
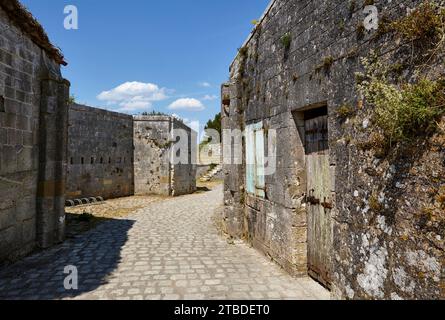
96 254
168 250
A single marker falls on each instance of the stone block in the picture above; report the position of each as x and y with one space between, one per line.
28 231
26 159
26 208
8 160
8 242
7 218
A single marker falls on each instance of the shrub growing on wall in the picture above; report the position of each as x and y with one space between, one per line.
404 110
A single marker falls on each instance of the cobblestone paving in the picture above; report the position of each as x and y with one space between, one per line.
168 250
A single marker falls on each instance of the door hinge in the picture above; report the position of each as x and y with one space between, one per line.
327 205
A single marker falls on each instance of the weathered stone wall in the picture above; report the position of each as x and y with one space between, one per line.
233 217
152 145
33 122
394 253
184 170
210 154
153 154
100 153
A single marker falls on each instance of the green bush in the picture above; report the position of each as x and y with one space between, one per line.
215 124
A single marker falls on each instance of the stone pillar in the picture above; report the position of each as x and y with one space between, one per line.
53 141
232 119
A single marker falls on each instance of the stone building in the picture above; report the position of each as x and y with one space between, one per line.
33 135
347 199
113 155
210 154
100 153
160 165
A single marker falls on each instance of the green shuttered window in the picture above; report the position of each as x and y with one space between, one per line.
255 158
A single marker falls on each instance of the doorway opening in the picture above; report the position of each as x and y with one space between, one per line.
313 129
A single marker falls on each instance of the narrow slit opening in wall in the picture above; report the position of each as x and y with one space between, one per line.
92 160
71 161
2 104
82 160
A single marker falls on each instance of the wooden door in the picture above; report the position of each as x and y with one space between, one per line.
319 198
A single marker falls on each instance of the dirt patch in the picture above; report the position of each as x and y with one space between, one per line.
84 218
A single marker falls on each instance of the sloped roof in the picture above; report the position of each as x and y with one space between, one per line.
31 27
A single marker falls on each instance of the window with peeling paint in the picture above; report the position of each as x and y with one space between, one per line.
255 182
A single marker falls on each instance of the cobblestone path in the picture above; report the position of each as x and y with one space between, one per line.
168 250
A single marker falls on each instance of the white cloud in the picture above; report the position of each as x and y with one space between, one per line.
133 96
210 97
132 106
205 84
187 104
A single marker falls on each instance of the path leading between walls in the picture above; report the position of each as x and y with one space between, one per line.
168 250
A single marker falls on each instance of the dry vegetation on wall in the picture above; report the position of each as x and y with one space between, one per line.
404 100
397 123
404 109
424 26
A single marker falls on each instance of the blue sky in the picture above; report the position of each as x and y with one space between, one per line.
143 55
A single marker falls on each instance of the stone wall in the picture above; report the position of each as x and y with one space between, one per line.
155 172
100 153
302 55
33 122
152 143
184 169
210 154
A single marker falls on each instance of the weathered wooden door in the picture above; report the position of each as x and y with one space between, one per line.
319 201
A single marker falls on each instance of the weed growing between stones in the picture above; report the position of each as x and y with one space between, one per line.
374 203
360 31
352 7
325 65
345 111
286 41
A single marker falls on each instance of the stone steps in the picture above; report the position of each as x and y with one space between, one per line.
211 174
